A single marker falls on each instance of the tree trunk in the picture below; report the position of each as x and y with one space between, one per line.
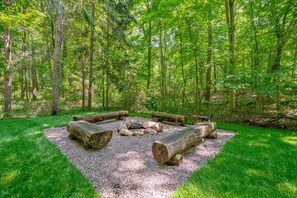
178 142
209 58
33 72
83 59
162 66
91 134
182 63
23 76
92 38
149 55
8 67
229 8
56 72
194 50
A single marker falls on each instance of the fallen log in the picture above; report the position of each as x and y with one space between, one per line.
176 160
212 125
92 135
177 119
198 119
166 148
213 135
101 117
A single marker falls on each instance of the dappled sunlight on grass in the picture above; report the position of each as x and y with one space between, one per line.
255 172
257 162
8 177
288 187
32 167
292 140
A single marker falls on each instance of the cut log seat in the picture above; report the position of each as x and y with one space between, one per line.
177 119
92 135
178 142
101 117
199 118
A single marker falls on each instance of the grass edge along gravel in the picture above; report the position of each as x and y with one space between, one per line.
257 162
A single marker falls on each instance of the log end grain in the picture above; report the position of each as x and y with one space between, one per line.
160 152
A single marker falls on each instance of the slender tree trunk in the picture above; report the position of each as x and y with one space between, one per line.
194 50
182 67
8 67
83 60
24 51
149 55
33 71
229 8
209 58
162 66
90 90
294 67
56 72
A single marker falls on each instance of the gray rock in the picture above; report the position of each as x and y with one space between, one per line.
125 132
150 131
135 124
138 132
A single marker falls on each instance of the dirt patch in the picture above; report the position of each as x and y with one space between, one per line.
126 167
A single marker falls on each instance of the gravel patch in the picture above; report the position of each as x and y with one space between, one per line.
127 168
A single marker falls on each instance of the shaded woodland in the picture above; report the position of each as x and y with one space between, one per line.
234 60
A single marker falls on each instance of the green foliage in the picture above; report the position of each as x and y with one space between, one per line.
30 19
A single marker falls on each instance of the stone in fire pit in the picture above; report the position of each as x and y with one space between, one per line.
137 128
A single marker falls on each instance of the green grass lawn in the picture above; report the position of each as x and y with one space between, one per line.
30 166
257 162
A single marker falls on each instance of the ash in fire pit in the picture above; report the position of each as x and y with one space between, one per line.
137 128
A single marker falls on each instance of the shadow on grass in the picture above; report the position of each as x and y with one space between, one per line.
257 162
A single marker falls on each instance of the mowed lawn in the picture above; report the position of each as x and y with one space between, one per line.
257 162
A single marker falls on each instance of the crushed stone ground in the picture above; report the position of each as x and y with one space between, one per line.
126 167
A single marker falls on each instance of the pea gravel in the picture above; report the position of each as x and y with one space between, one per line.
126 167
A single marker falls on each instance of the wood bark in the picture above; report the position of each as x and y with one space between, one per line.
149 55
91 134
8 67
178 142
177 119
176 160
229 9
56 72
101 117
213 135
83 59
209 57
92 38
197 119
194 50
33 72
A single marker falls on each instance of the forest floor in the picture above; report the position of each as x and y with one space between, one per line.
126 167
257 162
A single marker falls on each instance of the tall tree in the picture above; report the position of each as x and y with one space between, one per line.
57 55
8 65
209 55
229 9
92 38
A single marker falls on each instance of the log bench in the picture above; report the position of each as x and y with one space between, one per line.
177 119
199 118
101 117
92 136
169 148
